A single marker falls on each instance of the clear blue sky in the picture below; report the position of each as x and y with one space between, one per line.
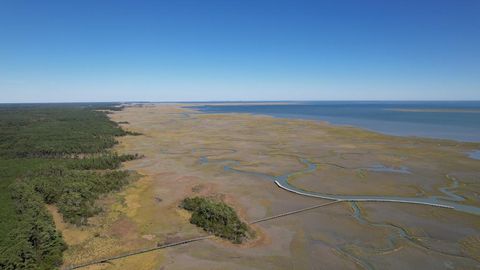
53 51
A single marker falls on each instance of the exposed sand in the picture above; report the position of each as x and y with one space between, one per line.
175 140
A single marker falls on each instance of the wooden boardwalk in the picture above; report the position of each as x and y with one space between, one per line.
201 238
137 252
187 241
353 199
294 212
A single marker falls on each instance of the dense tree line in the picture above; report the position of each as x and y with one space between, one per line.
36 243
216 217
52 154
55 131
101 162
75 192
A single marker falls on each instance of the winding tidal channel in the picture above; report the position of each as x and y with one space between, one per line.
450 200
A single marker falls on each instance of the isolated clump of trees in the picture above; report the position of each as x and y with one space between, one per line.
53 154
217 217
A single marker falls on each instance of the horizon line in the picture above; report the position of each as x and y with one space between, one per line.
255 101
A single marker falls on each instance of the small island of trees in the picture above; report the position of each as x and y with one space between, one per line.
217 217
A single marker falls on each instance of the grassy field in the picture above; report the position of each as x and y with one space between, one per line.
57 154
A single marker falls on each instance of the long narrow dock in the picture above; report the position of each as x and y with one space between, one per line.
294 212
187 241
327 197
137 252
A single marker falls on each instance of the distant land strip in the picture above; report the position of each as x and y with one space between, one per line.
435 110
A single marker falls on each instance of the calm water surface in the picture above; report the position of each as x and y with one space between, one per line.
474 154
443 120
